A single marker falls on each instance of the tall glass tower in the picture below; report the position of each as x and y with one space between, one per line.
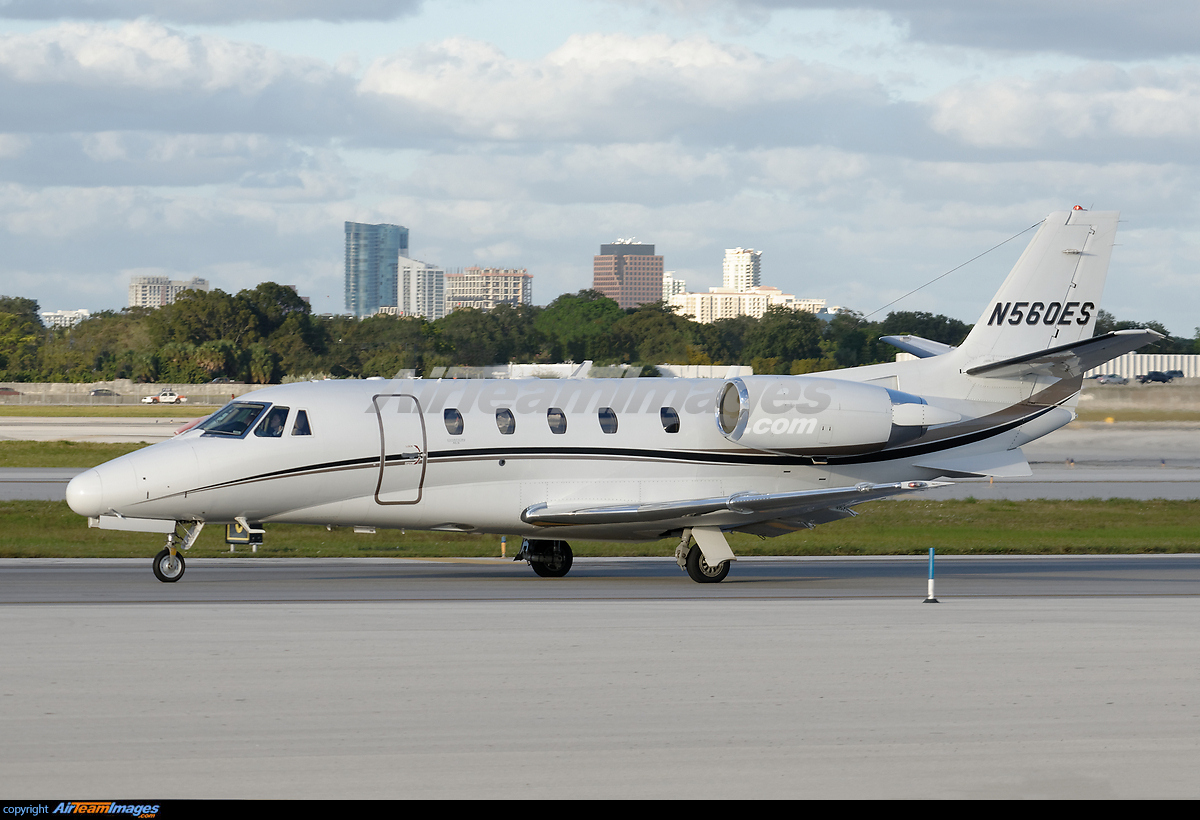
372 261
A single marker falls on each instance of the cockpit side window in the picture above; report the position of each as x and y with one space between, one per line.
300 427
506 422
232 419
272 425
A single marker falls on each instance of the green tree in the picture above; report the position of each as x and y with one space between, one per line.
574 324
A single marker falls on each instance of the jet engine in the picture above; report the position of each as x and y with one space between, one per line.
806 415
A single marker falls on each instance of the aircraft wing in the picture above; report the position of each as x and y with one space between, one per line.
755 506
921 348
1075 358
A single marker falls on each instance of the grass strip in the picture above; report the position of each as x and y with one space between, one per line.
46 529
81 454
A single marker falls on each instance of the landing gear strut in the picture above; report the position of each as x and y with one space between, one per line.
169 565
549 559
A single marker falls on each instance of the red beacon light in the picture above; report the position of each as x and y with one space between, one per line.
1079 208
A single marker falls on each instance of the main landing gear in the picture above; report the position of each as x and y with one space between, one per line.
549 559
696 563
169 565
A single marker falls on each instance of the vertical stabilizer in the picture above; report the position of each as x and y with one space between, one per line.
1052 295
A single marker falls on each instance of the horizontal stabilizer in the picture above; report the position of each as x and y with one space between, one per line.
1007 463
921 348
1070 359
783 505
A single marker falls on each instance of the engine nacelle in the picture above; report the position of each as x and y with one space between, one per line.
807 415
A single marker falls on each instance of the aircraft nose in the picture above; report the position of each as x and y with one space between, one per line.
85 494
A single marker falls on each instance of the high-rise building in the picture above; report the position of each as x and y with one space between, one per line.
372 257
672 286
628 272
742 269
484 288
156 291
420 290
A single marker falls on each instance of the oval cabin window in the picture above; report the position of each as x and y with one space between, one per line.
669 419
506 423
454 421
608 419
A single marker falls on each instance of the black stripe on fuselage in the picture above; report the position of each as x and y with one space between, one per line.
750 457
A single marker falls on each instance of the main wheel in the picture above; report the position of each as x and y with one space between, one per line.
558 562
700 570
168 569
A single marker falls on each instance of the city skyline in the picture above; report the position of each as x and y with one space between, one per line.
869 147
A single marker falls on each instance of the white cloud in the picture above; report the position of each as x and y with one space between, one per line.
1093 103
602 87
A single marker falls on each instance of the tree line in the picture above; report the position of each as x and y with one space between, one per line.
264 334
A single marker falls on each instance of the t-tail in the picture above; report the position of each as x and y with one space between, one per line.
1052 296
1042 320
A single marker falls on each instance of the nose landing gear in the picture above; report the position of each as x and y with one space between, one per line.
169 565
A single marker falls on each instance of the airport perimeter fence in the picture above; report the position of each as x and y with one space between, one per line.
121 392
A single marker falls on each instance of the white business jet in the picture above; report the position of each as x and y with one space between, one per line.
636 459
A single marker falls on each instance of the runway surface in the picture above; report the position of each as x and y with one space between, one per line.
1034 677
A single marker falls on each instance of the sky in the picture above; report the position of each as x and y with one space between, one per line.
865 147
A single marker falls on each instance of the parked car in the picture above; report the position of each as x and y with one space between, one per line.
1112 378
1154 376
165 397
8 391
103 391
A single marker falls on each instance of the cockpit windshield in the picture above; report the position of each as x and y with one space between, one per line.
232 419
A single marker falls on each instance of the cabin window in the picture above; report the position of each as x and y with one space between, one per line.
232 419
272 424
300 427
506 422
669 419
608 419
454 421
557 420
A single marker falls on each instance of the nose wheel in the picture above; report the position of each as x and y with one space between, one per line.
169 566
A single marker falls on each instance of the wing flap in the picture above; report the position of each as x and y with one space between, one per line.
755 506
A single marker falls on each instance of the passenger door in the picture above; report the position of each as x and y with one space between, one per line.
402 449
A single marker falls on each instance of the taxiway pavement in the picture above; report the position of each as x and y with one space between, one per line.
1062 677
